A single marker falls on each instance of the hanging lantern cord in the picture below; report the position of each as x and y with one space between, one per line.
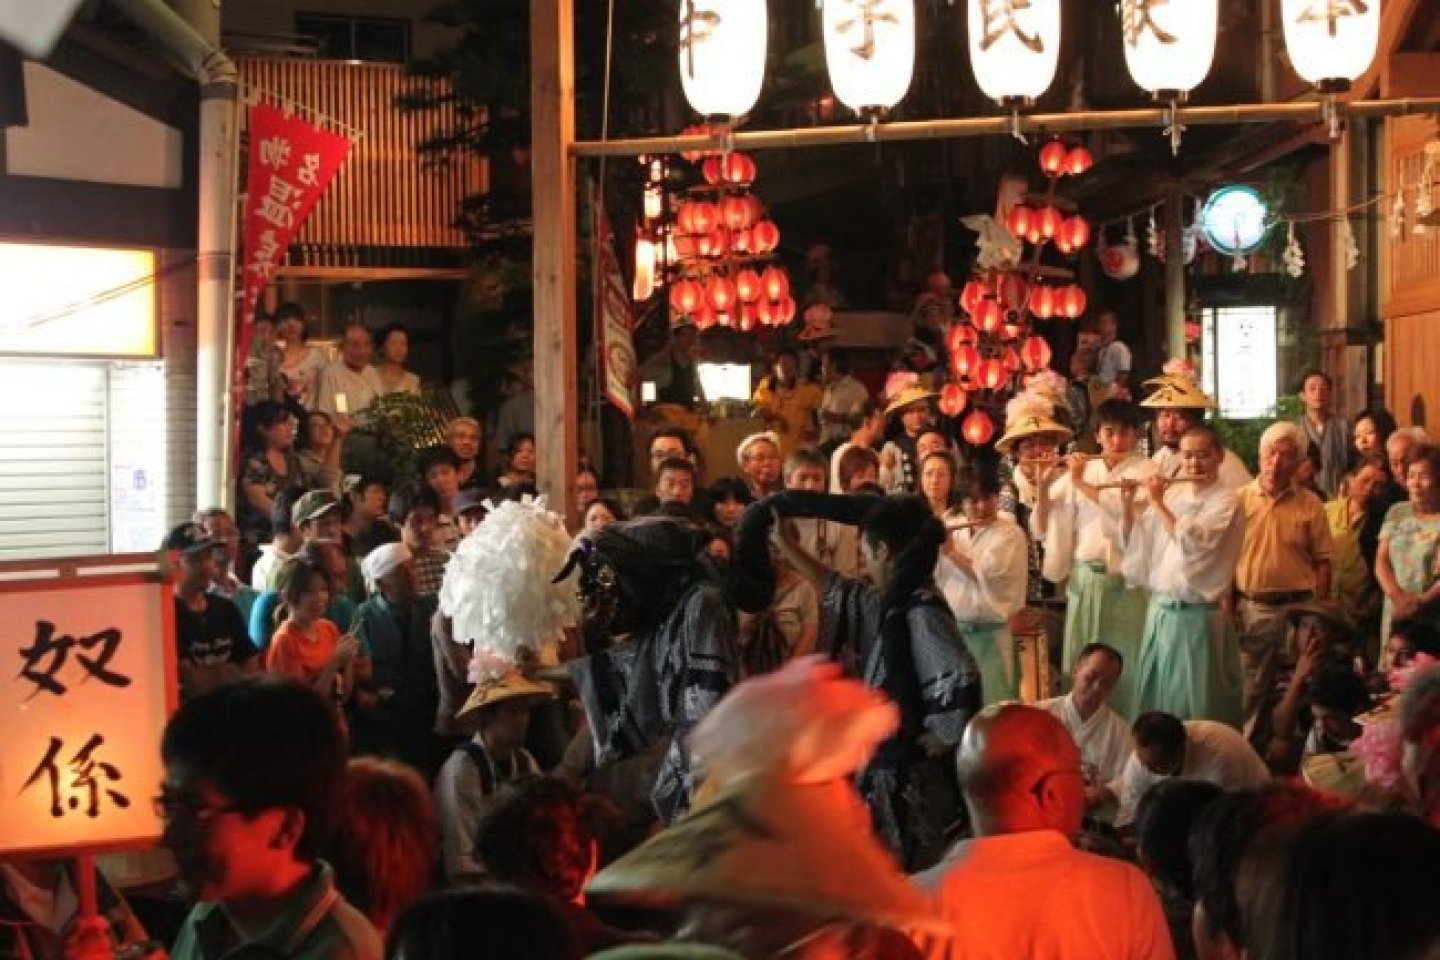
1174 129
872 126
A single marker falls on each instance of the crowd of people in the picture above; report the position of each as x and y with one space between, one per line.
1091 692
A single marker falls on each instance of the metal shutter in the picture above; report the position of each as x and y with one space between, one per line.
53 483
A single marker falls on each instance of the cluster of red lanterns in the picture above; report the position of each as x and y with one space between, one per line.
744 301
1058 160
1047 224
733 224
1063 303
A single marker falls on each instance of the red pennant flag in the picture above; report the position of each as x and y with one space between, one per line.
292 161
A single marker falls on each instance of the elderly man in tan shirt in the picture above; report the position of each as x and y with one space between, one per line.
1285 558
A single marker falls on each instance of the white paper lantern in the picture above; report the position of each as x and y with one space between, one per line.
870 51
1169 46
1014 47
722 55
644 285
1331 42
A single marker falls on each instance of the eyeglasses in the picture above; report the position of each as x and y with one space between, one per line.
169 807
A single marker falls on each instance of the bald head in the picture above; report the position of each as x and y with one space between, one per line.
1020 770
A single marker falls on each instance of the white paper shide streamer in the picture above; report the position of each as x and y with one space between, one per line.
498 588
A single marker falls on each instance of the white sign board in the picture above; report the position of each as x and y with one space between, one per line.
87 684
1239 360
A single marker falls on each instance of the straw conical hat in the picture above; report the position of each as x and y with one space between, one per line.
1172 392
514 684
765 842
1027 414
907 396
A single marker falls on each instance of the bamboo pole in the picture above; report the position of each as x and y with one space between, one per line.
1174 274
1035 123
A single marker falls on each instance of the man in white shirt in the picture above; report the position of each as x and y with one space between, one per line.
1114 355
1194 750
1185 548
1019 888
1180 404
1078 519
349 384
843 399
1102 735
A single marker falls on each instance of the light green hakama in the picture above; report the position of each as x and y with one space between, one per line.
1189 663
994 651
1100 608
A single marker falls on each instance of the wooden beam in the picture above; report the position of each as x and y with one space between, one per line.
1411 74
552 129
1035 125
1395 19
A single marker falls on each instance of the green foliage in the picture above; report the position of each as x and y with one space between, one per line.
1243 436
389 435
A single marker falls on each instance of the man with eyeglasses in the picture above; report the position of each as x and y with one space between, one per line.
252 787
1018 888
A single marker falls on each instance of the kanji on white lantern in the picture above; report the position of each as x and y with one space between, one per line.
1014 47
870 51
722 55
1169 46
1331 42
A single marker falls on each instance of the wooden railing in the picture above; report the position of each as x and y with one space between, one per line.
389 207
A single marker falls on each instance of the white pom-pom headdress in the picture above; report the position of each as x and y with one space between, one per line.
499 587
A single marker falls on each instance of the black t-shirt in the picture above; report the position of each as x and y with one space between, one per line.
216 636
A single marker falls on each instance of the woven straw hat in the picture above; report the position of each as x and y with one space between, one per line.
514 684
1029 426
907 396
1176 393
767 843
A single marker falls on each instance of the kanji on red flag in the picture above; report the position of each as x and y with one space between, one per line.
292 161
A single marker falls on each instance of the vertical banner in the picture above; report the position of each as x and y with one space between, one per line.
291 163
614 317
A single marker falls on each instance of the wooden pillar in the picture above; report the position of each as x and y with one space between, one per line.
1174 273
552 129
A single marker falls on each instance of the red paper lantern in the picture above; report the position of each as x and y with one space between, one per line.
960 336
1035 353
952 399
686 296
1012 290
1078 160
765 312
964 360
988 316
784 311
737 168
724 319
1076 232
757 209
764 237
774 283
1052 158
1050 221
1072 302
704 316
747 285
1034 235
748 317
684 246
990 374
1011 360
740 241
1018 220
1042 302
719 242
970 296
710 170
735 213
720 291
977 428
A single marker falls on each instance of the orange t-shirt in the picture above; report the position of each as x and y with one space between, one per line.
303 655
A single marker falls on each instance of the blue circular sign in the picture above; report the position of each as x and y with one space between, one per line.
1234 219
